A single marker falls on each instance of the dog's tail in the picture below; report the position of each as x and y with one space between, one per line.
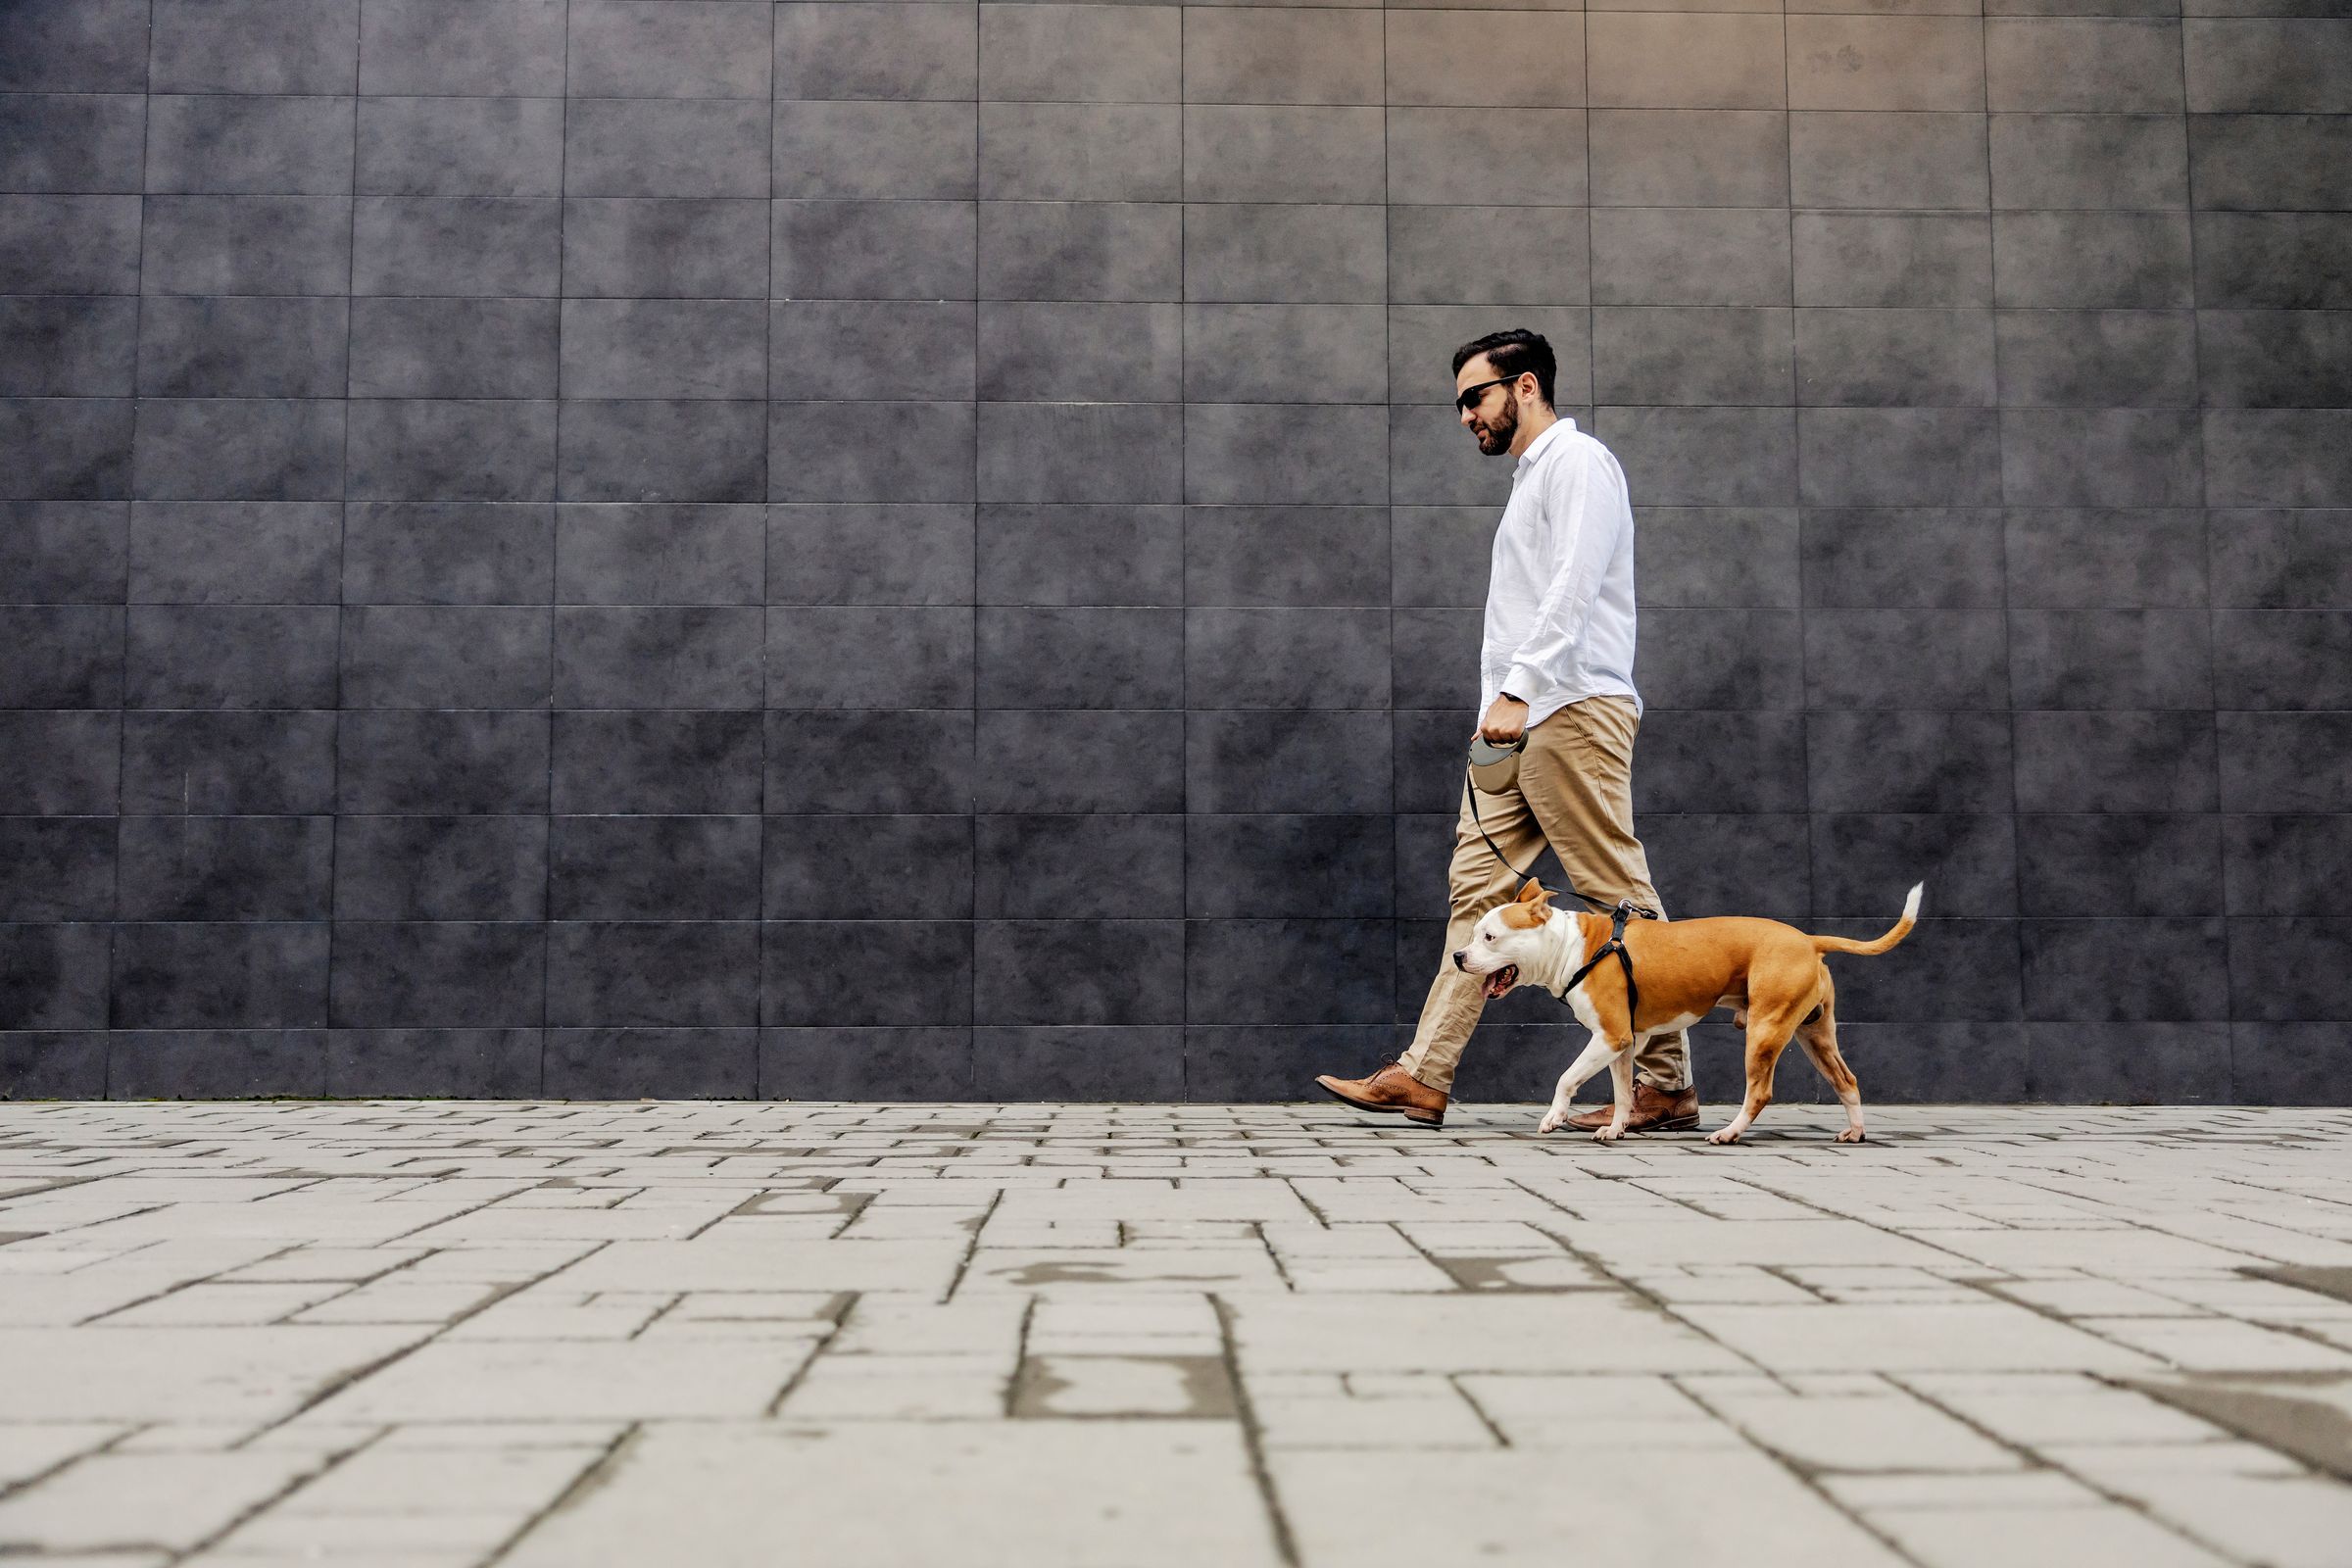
1902 929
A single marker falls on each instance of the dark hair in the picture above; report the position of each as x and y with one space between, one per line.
1513 353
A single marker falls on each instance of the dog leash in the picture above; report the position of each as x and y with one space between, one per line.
1623 911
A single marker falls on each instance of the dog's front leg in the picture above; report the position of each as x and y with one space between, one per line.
1595 1055
1621 1081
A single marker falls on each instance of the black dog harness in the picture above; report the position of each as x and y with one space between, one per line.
1624 910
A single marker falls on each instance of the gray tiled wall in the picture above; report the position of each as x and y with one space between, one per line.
702 547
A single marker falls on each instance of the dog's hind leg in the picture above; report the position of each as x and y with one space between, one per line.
1768 1032
1818 1034
1595 1055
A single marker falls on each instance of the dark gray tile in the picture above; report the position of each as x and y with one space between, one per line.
2285 865
668 449
226 868
201 346
246 245
1533 156
647 554
2061 558
2101 456
2287 1063
230 655
2278 457
211 975
1719 659
2280 559
1023 762
2270 162
664 349
887 972
53 1065
1520 59
1689 157
463 46
1862 865
1932 1064
2104 64
1290 971
1689 256
2117 970
651 247
623 761
1079 658
2106 358
1083 452
1900 358
1887 556
61 764
1907 761
653 1063
870 554
1709 864
76 46
423 762
73 244
1437 554
2274 358
440 868
1711 457
1892 259
1433 460
1489 256
451 450
451 1063
1290 762
218 142
2116 658
874 250
1077 972
1870 159
446 655
1867 658
69 346
1287 658
1250 56
865 1063
654 867
1899 457
447 552
1433 660
2116 864
453 347
822 452
1079 1062
1738 763
1326 555
859 349
216 1063
672 147
69 656
1072 352
1876 61
1946 971
2281 658
1261 153
229 762
2284 762
254 46
912 51
645 655
2292 261
866 657
484 246
864 867
234 552
1691 355
436 146
438 973
59 867
2285 971
710 49
67 142
65 449
2090 161
63 552
865 150
2092 260
1103 866
2130 1063
691 974
238 449
1248 251
53 977
1074 251
869 759
1317 454
1266 865
1071 153
2091 761
1080 555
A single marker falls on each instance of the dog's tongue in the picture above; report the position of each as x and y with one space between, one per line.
1501 980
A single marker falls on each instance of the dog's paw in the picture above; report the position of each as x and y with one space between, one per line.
1852 1134
1607 1135
1723 1135
1552 1121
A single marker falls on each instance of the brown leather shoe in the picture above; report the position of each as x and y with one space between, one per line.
1654 1111
1391 1089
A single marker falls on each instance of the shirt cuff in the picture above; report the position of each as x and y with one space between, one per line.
1524 681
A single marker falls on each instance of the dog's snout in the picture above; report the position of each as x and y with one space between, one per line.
1460 953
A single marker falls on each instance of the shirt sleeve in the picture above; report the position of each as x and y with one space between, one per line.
1584 510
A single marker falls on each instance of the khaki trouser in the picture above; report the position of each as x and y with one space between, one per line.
1575 789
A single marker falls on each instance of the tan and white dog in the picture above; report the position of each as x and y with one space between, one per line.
1770 973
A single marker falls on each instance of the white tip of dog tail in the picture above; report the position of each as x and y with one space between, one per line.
1911 904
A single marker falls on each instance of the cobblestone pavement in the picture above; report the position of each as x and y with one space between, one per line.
716 1333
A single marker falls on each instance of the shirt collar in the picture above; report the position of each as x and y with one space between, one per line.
1535 447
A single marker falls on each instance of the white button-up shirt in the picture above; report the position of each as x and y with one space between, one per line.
1560 596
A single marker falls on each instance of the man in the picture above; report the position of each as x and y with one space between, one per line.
1556 665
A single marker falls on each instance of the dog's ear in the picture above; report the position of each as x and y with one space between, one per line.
1533 892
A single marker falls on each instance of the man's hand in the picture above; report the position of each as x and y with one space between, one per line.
1505 721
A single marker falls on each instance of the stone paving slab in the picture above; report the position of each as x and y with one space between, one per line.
457 1335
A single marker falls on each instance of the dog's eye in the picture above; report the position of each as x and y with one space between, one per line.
1489 936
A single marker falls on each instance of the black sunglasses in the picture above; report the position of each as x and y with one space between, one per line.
1476 394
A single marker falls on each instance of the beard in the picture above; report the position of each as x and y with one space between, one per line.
1494 435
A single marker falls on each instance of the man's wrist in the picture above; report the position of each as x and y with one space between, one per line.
1508 698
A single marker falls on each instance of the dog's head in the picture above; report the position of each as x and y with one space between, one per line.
1505 938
